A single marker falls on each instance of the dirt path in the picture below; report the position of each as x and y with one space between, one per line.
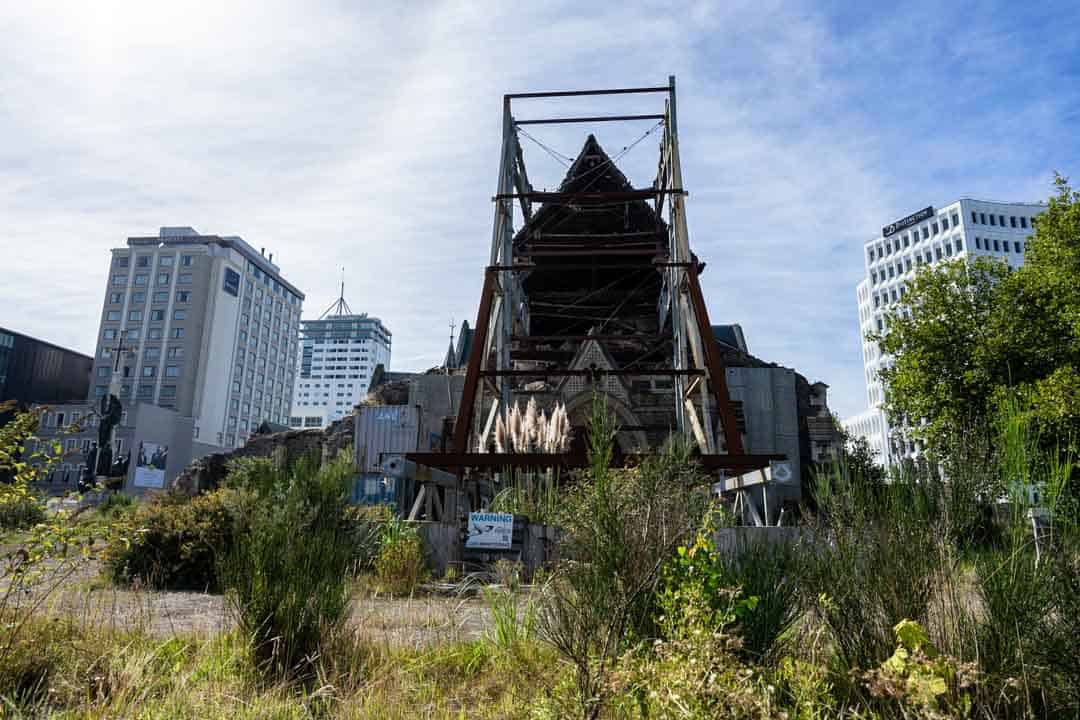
401 622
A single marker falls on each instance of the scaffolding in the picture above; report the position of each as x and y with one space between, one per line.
504 357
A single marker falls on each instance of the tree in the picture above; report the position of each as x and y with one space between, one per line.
942 376
968 335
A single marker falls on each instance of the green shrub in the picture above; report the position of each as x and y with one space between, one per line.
21 510
400 565
287 570
173 542
620 527
761 575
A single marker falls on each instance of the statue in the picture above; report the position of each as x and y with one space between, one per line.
111 411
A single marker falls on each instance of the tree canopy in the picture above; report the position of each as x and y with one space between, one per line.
966 335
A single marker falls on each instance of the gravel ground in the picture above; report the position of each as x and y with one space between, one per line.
402 622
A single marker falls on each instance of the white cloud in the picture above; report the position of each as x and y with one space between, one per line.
367 137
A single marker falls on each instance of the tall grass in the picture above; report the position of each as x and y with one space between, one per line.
621 526
287 572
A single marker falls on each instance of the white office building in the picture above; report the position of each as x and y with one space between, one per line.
203 325
339 351
964 229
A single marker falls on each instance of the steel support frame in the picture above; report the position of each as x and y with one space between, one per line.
500 297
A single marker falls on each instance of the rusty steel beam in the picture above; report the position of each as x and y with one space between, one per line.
472 372
713 462
597 118
598 372
649 251
563 338
713 361
600 196
580 93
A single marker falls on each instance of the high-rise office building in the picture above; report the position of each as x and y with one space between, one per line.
339 351
962 229
204 325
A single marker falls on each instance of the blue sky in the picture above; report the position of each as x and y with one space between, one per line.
335 135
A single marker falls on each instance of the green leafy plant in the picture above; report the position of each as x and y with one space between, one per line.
919 677
399 565
287 571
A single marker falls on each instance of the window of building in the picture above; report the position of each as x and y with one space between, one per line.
113 316
925 232
100 390
179 314
184 279
974 217
948 249
145 391
236 386
163 278
174 352
1023 221
116 298
178 332
1012 221
982 218
141 278
135 315
186 260
978 243
993 219
149 371
1001 220
944 223
152 353
959 243
1016 245
121 261
168 391
142 261
154 333
937 253
166 260
183 296
172 371
108 334
955 220
869 259
119 279
934 228
996 247
880 252
103 371
157 315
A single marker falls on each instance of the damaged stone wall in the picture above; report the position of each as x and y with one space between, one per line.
207 472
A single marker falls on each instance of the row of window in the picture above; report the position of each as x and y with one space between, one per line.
980 218
143 261
139 297
175 333
137 315
984 244
141 391
148 371
142 279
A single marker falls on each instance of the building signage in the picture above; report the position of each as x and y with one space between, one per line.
490 531
232 282
893 228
